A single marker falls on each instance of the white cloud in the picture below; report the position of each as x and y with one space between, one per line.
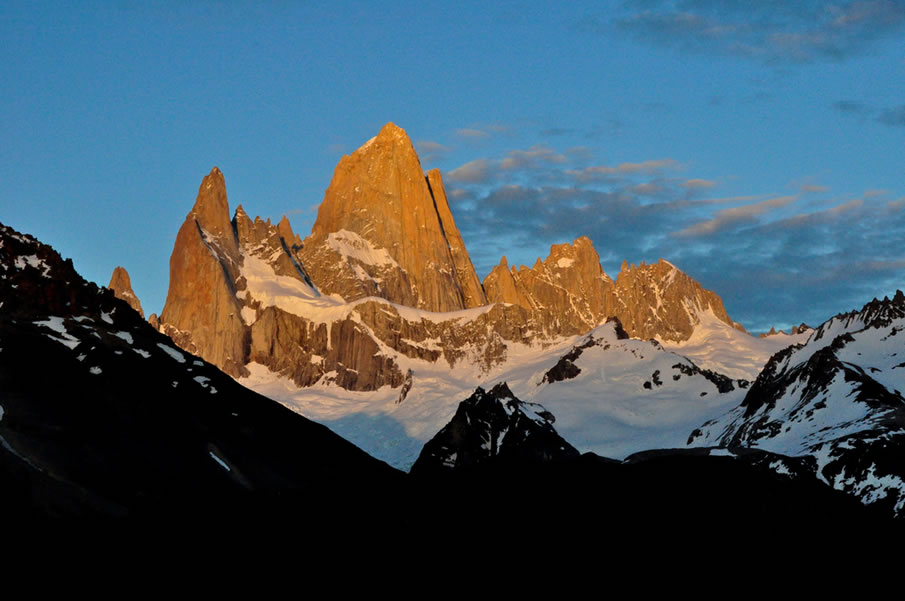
726 217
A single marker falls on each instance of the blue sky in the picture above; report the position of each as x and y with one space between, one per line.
758 146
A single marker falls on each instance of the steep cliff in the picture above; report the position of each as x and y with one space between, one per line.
385 229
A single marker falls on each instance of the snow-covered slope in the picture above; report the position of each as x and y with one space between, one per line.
624 395
629 395
722 348
838 398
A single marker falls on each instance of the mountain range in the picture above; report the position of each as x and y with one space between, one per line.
377 326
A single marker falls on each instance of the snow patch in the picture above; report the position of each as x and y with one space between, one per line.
565 262
780 468
249 315
56 324
33 261
352 246
220 461
176 355
125 336
717 346
95 370
721 453
144 354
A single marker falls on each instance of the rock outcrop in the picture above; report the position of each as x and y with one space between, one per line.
121 285
660 301
385 229
835 400
568 293
799 329
127 425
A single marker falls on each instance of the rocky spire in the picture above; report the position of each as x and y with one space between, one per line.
211 210
121 285
202 313
385 229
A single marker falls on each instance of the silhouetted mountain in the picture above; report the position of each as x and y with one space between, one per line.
101 415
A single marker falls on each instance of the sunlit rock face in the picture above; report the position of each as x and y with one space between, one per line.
241 293
568 293
385 229
202 312
660 301
385 279
121 285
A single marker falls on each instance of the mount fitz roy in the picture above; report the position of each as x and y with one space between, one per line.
336 306
550 377
377 325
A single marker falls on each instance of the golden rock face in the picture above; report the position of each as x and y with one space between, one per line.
202 313
385 230
381 195
121 285
568 293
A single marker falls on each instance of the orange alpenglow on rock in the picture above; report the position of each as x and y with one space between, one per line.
660 301
385 229
568 293
121 285
202 313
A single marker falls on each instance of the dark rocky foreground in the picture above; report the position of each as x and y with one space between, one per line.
103 416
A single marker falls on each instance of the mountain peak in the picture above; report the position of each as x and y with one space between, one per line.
392 131
380 194
211 209
121 285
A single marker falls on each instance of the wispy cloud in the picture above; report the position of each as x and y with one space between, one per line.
774 259
432 151
474 134
479 171
604 171
771 32
892 116
735 215
526 159
698 184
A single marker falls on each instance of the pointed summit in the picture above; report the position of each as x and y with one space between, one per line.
211 209
121 285
385 229
202 312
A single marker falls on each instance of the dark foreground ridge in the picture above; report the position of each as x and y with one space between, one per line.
103 416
